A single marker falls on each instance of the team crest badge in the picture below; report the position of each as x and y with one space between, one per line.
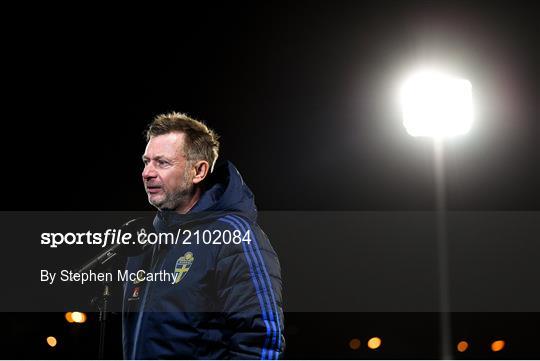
138 279
183 265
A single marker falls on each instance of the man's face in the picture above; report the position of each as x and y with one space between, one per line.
166 180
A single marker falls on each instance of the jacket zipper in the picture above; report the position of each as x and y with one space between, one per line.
143 303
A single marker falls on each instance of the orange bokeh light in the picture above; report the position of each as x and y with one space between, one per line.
51 341
497 346
354 344
374 343
78 317
68 317
462 346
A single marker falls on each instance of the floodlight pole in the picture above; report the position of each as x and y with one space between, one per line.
445 321
450 100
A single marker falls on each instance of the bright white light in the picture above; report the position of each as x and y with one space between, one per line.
436 105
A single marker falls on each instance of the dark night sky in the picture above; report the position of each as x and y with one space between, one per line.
302 95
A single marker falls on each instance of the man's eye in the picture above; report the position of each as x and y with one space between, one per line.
163 163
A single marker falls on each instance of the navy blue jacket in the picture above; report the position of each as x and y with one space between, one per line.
224 300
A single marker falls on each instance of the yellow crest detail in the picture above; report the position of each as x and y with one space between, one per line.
183 264
140 278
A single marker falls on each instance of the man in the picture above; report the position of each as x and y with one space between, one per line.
224 300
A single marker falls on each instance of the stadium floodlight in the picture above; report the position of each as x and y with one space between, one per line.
439 106
436 105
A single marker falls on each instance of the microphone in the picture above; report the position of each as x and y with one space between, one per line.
133 226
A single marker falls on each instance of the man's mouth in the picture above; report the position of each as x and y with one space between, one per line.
153 189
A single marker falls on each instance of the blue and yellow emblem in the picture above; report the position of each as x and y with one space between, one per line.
138 279
183 265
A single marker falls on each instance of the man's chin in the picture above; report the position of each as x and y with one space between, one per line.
158 203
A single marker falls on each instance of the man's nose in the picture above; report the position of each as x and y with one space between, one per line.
149 171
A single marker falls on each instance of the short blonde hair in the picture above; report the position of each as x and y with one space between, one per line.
201 142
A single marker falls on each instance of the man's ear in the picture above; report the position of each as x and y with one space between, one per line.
200 169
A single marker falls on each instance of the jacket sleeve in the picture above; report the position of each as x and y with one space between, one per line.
249 291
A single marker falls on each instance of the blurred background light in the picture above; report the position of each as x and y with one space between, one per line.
69 318
78 317
51 341
497 346
354 344
374 343
462 346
